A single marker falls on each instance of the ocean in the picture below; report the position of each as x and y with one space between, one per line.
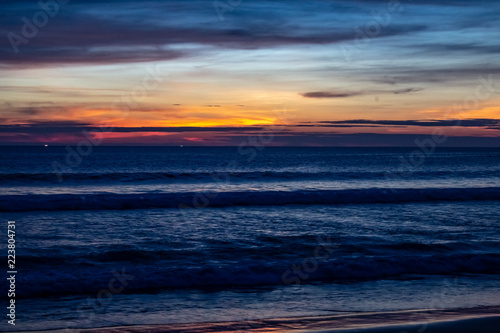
158 235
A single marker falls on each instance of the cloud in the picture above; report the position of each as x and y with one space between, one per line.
139 31
334 125
446 48
406 91
39 126
327 94
75 127
330 94
421 123
49 123
437 75
24 113
61 132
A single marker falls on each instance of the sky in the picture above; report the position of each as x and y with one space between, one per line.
218 73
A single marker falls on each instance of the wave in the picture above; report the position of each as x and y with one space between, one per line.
225 176
267 250
70 280
113 201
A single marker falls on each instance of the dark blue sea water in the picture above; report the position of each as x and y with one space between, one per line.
150 235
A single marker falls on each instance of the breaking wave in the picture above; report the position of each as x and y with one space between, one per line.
112 201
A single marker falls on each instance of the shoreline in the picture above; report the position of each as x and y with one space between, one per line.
472 320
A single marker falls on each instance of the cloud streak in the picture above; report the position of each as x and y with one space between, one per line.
487 123
330 94
62 127
151 31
